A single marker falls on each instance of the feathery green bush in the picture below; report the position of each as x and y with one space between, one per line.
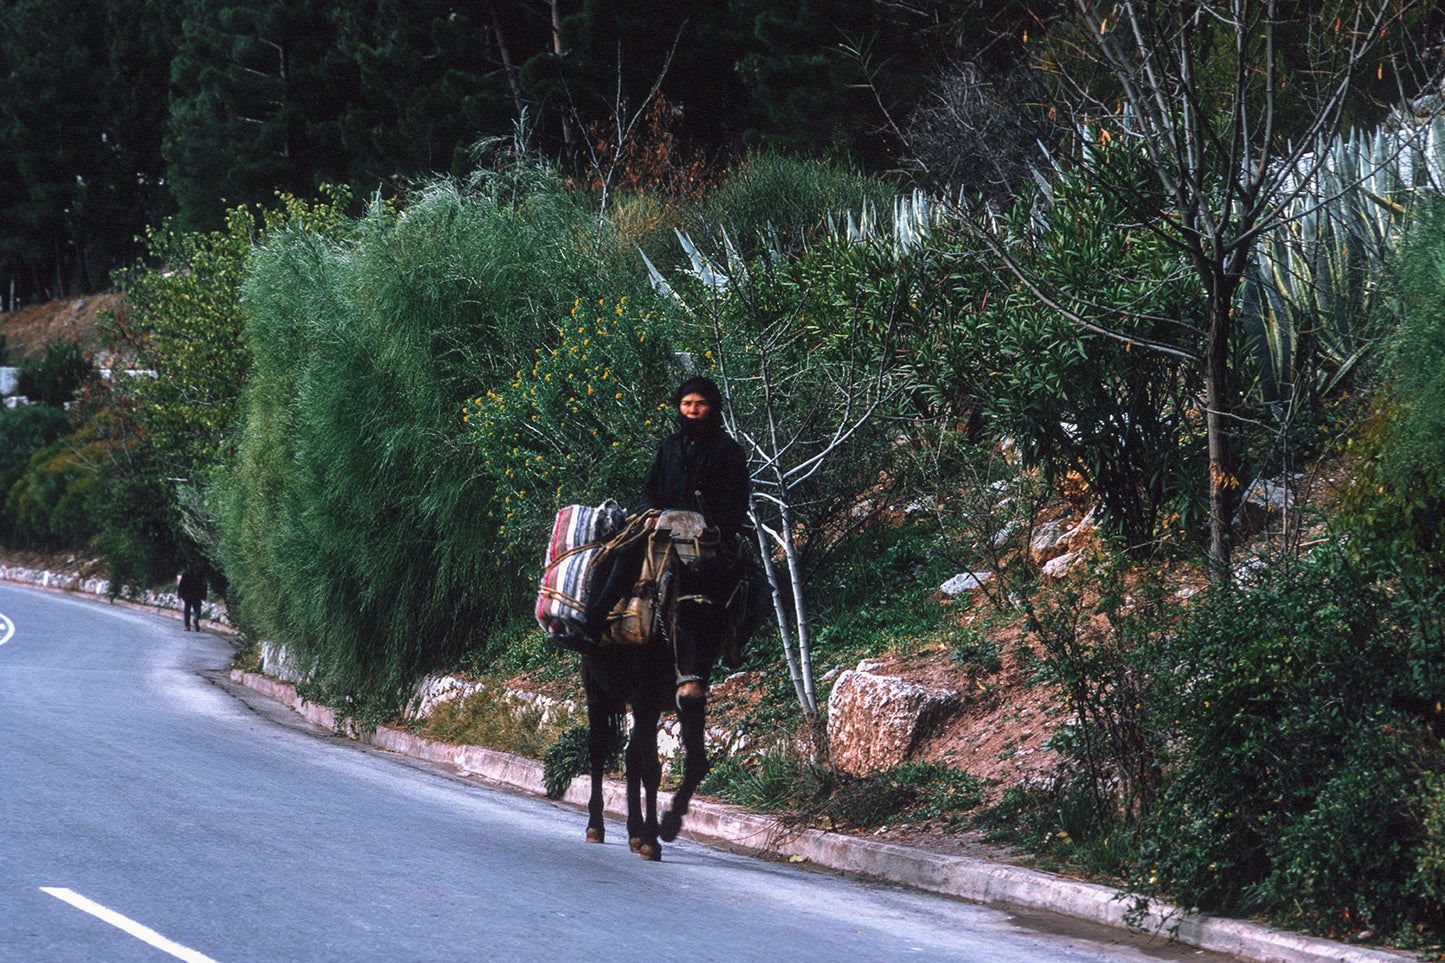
361 524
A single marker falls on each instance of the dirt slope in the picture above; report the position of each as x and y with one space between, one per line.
29 330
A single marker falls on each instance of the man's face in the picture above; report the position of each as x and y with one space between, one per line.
694 407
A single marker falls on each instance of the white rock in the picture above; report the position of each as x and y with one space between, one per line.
964 582
1002 536
875 721
1044 543
1058 566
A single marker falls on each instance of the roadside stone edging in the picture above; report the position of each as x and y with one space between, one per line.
963 877
65 582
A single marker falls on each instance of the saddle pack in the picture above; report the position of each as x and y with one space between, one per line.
579 535
675 541
586 541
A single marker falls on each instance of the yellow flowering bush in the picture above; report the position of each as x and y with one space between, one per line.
579 425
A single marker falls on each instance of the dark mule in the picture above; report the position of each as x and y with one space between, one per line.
644 678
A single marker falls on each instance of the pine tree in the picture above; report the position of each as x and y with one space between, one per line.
79 95
260 86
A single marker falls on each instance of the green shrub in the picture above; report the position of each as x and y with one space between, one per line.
55 378
1303 703
569 757
1060 824
137 528
361 524
878 588
50 503
778 780
1410 470
977 651
578 422
26 430
1098 637
790 200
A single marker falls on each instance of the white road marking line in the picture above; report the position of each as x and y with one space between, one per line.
143 933
7 629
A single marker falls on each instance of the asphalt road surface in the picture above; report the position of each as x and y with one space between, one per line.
151 811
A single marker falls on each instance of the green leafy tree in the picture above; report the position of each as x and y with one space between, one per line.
616 52
1213 131
181 326
171 419
259 90
1124 418
431 79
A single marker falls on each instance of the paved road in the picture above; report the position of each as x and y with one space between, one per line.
149 811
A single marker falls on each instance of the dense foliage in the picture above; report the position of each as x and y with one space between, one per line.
57 376
1412 464
1122 416
115 114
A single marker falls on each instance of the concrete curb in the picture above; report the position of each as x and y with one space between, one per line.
977 881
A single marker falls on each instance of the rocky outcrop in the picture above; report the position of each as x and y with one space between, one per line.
964 582
876 721
1055 546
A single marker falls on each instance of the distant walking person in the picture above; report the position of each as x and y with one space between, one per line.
192 590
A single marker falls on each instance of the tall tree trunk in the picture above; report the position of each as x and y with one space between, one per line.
567 136
1223 460
506 56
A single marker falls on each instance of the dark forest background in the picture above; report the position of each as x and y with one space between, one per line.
117 114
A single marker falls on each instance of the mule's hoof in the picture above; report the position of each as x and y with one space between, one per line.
671 826
635 844
652 852
595 835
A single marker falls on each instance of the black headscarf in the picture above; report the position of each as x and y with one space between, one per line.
709 390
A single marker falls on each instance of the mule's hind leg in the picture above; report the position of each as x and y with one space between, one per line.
697 629
644 775
603 727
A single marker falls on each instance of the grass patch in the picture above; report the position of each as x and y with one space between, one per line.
1061 827
248 657
776 781
782 781
491 718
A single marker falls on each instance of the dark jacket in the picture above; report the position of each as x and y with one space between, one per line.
192 586
705 473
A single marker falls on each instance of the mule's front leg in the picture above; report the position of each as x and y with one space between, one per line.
692 719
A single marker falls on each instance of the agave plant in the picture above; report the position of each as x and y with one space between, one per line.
1313 293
